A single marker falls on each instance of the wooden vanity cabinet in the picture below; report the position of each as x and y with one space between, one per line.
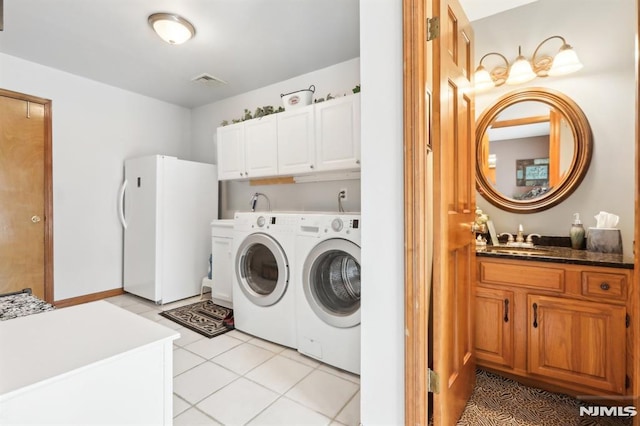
559 326
494 326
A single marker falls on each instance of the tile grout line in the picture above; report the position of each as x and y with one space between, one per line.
274 354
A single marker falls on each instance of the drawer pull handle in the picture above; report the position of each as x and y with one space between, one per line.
535 315
605 286
506 310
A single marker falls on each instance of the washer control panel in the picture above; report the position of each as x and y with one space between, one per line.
344 224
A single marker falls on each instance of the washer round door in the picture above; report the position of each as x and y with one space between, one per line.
262 269
331 282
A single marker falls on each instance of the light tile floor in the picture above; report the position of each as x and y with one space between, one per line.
238 379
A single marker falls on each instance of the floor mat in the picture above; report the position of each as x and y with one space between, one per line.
203 317
21 304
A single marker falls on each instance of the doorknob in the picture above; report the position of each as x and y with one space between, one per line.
35 219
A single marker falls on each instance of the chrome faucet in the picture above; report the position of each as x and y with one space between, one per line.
254 200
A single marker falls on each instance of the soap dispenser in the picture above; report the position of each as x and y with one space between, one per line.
577 232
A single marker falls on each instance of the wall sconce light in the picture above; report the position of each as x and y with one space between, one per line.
522 70
171 28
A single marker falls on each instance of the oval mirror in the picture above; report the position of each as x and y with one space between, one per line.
533 148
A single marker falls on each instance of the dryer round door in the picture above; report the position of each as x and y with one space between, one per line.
331 282
262 269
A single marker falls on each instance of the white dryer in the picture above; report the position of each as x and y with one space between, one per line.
328 296
263 293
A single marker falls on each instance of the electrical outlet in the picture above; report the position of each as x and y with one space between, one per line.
343 194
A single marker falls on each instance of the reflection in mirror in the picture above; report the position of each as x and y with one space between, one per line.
528 150
533 149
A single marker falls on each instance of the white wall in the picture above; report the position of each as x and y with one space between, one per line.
604 89
338 79
95 127
382 381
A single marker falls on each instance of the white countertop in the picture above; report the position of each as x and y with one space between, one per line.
43 346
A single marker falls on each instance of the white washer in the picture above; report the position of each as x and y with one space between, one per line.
263 290
328 296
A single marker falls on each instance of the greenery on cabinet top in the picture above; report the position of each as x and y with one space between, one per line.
270 109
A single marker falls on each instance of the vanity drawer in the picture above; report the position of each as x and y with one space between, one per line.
522 275
604 285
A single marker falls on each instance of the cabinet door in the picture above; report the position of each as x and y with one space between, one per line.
221 269
261 145
231 152
578 342
494 326
296 145
337 128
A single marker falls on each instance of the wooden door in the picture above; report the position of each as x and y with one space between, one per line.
26 225
454 211
577 341
439 198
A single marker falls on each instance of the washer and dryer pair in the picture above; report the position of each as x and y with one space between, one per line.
297 282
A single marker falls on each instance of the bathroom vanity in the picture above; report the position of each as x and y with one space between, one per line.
556 318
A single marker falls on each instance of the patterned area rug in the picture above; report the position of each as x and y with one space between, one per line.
204 317
498 401
20 305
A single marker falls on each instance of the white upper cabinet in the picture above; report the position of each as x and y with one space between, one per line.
296 147
321 137
337 129
261 147
248 149
231 152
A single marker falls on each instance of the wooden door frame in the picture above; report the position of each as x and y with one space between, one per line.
48 188
417 220
635 303
417 281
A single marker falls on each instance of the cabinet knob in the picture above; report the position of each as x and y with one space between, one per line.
605 286
357 161
311 166
240 173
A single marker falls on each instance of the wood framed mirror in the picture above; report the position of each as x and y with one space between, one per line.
533 148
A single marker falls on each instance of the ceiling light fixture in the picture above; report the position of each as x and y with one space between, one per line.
171 28
523 70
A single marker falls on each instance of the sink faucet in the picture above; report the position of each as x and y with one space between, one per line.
530 239
518 239
254 200
510 239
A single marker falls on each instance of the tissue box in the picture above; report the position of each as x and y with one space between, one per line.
604 240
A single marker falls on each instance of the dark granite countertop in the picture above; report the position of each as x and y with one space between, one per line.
561 255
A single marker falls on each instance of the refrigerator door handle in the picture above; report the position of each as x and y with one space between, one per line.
121 204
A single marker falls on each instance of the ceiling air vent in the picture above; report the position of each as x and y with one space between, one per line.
208 79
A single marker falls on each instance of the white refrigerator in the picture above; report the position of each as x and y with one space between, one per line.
166 206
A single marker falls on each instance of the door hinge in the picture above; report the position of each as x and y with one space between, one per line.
627 382
627 320
433 28
433 381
